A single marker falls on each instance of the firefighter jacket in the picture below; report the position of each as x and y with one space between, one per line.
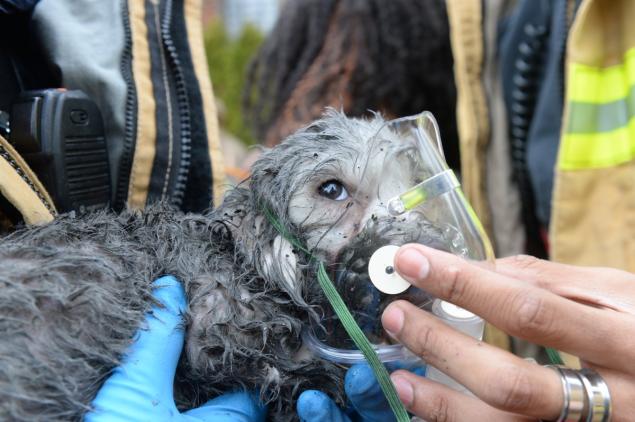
143 64
567 73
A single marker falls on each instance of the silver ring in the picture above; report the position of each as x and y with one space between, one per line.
598 394
576 404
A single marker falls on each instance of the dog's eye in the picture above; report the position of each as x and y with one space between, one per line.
333 189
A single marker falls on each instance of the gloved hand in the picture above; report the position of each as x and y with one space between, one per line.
141 388
367 401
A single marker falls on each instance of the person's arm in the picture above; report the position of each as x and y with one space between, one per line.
141 389
588 312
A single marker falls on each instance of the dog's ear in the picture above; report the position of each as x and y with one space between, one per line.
279 265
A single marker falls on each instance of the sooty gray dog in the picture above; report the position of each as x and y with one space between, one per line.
74 292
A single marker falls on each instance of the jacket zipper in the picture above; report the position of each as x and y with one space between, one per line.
130 120
173 63
182 103
165 79
529 61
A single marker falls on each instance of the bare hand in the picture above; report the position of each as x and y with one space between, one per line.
588 312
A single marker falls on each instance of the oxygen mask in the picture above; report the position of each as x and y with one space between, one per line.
405 193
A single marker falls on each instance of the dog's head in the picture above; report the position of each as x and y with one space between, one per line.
329 184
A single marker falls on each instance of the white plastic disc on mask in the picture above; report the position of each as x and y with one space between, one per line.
382 273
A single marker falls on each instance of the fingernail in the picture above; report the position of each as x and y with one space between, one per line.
404 390
392 320
412 264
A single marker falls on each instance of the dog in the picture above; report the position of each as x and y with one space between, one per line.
74 292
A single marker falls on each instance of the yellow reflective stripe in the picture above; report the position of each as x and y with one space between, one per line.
591 84
597 150
599 123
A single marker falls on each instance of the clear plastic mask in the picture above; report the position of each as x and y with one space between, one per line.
415 198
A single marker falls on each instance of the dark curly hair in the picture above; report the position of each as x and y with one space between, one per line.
392 56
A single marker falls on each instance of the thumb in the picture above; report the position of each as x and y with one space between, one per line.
143 383
366 395
315 406
153 357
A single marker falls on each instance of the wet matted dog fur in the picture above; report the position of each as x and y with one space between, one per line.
74 292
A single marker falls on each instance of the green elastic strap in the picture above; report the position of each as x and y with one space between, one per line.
554 356
351 327
362 344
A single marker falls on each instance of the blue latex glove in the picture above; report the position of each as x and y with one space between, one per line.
366 400
141 388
